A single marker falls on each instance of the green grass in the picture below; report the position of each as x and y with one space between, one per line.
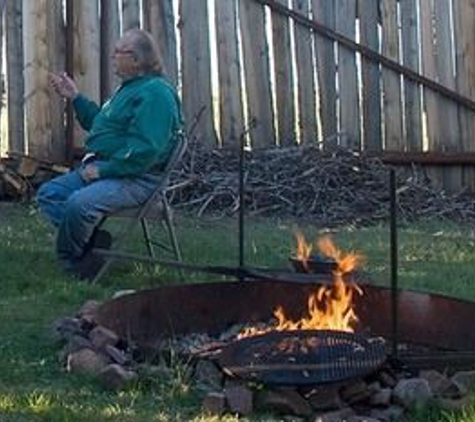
434 256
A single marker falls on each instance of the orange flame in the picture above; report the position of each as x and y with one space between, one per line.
330 307
304 250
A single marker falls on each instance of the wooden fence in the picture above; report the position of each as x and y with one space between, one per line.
388 76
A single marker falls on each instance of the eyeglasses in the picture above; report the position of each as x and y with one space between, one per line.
119 51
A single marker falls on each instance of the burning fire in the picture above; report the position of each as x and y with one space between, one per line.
330 307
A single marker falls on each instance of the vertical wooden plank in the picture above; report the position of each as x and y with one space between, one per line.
230 99
447 110
410 56
324 12
429 70
15 86
56 56
464 13
3 112
284 82
430 98
130 14
159 20
308 130
392 96
109 33
347 76
257 73
86 54
37 95
196 71
371 89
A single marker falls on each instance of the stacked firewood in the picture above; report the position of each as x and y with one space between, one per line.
20 175
335 186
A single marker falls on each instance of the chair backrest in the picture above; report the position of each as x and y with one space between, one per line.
176 155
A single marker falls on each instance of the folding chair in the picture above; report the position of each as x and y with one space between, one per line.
155 208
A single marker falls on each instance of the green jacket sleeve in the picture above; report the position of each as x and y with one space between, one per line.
147 138
85 110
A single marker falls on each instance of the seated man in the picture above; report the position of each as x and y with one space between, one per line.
129 141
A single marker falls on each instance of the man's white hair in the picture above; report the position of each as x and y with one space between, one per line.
146 51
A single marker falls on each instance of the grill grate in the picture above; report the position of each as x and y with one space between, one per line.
303 357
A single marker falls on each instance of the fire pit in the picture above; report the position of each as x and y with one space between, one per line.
148 316
329 333
252 363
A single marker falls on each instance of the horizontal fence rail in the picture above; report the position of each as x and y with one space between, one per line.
381 76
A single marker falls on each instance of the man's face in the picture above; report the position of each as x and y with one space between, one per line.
124 60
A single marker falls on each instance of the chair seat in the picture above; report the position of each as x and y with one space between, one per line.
155 212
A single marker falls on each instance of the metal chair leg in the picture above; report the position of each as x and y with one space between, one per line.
116 245
171 230
172 234
148 237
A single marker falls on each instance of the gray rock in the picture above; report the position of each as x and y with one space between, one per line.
336 416
86 361
102 337
284 401
215 403
390 414
115 377
239 399
464 380
412 392
440 385
208 376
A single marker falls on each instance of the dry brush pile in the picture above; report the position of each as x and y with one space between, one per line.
332 187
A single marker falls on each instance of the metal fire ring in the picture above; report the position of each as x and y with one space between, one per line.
303 357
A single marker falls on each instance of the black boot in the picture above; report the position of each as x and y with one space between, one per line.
90 264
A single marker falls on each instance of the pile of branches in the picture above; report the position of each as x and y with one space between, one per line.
329 187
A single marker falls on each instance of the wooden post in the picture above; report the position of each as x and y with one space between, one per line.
159 20
37 65
130 14
284 79
56 58
392 96
230 98
69 63
410 58
371 89
308 131
429 53
109 33
324 13
15 85
257 73
347 76
464 12
196 70
447 110
86 54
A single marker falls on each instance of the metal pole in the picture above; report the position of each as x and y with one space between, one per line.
241 205
394 261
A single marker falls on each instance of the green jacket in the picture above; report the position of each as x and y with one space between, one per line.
133 131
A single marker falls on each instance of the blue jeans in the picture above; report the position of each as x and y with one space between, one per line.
76 207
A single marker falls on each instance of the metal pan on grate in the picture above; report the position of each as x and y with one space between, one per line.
303 357
315 264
